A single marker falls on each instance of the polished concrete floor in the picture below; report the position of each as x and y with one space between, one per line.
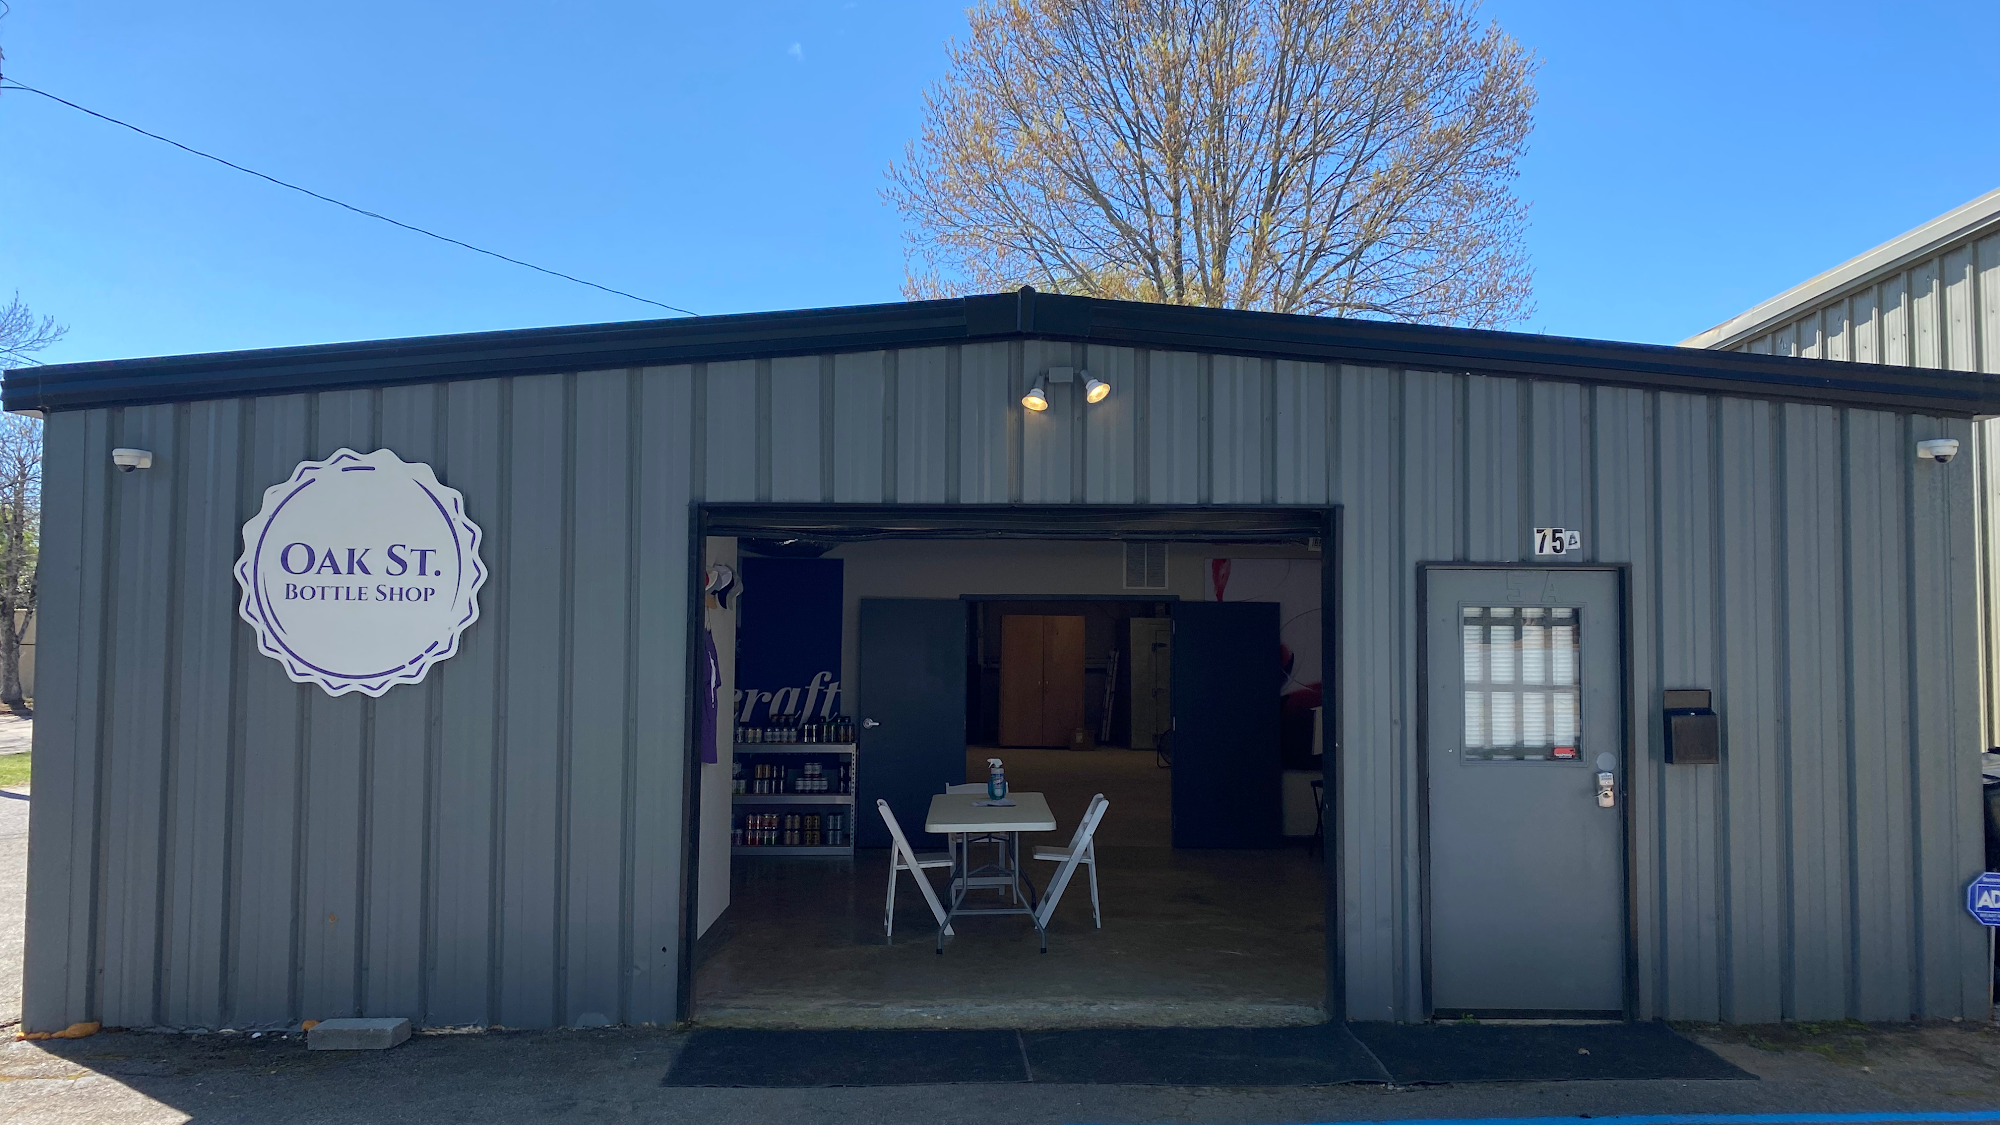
1190 938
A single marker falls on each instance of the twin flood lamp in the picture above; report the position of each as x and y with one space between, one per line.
1037 398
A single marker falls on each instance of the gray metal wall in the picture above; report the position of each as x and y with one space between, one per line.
1942 310
213 845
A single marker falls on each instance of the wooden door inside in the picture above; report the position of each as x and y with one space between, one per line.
1020 680
1041 679
1062 679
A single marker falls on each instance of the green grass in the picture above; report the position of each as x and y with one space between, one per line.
14 768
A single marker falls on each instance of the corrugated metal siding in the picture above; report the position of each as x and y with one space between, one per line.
214 845
219 846
1940 311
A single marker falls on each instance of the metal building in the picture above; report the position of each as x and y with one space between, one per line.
507 842
1929 297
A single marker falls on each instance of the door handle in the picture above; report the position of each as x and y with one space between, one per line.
1606 791
869 724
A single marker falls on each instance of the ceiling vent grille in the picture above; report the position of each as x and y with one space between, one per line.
1145 566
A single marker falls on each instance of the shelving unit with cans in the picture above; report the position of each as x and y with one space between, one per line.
794 789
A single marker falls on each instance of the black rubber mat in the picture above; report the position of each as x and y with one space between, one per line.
1419 1053
724 1057
1322 1055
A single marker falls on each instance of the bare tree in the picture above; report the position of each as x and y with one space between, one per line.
1312 156
20 543
21 334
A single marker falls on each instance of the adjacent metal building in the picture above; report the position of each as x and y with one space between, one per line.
1929 297
507 842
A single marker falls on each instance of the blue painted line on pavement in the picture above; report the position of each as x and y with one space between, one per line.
1699 1119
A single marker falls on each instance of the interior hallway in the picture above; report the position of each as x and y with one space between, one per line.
1190 938
1140 791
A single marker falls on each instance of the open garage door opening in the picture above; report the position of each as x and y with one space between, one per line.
1179 679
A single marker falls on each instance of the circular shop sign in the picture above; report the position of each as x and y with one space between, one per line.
360 572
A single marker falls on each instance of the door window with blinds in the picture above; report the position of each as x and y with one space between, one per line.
1521 689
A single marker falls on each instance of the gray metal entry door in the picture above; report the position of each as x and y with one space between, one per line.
1524 728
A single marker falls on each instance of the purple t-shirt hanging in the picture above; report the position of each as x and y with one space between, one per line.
711 688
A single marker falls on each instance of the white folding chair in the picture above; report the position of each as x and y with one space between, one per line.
901 858
1079 846
1087 847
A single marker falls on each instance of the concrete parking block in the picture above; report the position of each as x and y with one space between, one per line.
357 1034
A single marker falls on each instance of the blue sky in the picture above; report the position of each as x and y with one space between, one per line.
1690 158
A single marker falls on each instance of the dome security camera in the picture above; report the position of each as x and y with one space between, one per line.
1940 450
129 459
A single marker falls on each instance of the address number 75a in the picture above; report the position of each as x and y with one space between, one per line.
1557 541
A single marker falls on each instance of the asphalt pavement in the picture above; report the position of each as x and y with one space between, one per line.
614 1075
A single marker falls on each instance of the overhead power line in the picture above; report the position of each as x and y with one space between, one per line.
14 84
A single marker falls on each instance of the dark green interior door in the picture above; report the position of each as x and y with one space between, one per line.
911 729
1226 759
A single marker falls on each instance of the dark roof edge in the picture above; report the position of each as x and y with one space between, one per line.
597 347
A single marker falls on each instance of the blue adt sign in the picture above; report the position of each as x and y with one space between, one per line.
1982 898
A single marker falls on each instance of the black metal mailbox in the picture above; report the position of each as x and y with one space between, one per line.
1694 730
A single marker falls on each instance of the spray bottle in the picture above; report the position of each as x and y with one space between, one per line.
996 780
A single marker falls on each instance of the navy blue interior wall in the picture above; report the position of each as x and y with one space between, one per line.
788 640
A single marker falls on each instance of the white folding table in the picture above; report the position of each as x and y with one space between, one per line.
963 814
